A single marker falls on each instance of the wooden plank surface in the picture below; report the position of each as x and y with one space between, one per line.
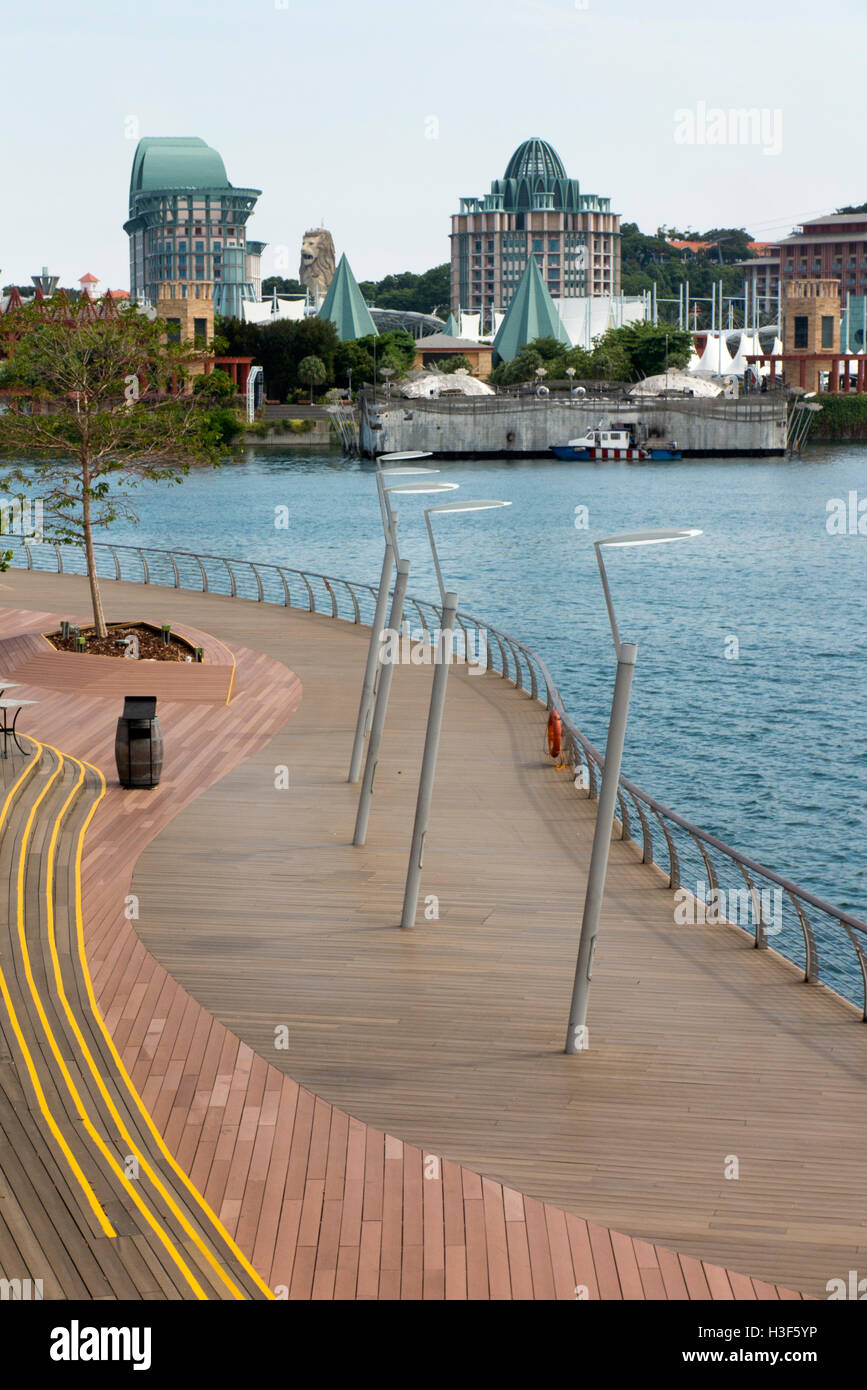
448 1036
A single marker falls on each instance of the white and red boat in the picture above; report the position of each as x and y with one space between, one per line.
613 442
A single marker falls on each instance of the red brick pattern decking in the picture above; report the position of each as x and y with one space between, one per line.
325 1206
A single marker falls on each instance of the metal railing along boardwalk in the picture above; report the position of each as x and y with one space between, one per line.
825 942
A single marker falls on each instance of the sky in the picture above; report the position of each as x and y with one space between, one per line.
374 119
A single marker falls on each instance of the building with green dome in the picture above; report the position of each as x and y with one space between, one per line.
187 227
535 209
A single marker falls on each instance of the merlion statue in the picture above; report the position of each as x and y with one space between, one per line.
317 260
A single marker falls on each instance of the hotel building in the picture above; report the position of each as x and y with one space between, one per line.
828 248
534 210
187 228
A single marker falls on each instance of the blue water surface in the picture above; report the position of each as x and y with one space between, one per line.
765 748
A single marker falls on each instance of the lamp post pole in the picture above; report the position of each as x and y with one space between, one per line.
577 1033
380 708
392 554
429 760
443 657
366 703
577 1038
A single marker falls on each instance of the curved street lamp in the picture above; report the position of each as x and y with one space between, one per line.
392 554
435 713
577 1035
378 673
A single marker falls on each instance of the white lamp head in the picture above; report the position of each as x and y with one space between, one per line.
655 537
413 489
404 472
404 454
482 505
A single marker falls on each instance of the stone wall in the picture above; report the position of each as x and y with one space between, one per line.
503 428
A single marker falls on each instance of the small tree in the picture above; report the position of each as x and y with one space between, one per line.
216 386
92 412
311 370
456 362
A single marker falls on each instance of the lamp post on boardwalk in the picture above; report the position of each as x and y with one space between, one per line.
576 1036
389 527
442 658
383 687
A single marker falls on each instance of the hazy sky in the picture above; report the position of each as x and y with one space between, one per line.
375 118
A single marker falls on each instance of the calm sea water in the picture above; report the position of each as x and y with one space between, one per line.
765 748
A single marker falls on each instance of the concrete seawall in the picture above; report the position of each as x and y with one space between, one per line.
488 427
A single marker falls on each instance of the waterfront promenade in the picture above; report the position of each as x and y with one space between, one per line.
447 1039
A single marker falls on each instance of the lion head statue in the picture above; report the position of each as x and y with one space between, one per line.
317 260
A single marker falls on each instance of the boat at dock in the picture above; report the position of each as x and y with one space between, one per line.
615 442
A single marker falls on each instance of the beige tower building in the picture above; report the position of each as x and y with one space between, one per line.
811 326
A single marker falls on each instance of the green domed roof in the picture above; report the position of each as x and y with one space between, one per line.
535 157
176 162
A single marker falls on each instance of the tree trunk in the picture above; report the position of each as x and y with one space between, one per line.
95 595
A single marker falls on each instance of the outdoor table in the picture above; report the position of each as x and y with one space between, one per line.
7 729
7 685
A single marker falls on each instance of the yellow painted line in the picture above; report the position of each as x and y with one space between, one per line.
164 1150
96 1138
53 1126
143 1163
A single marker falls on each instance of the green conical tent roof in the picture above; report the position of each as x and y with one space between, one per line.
451 328
530 315
344 305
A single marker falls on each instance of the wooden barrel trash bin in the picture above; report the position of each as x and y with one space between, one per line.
138 743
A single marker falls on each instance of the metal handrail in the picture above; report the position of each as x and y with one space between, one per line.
239 576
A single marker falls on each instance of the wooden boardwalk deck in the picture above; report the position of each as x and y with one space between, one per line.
449 1036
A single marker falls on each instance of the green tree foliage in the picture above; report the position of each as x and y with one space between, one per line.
649 260
651 349
395 350
621 354
282 286
90 416
424 294
455 362
311 370
733 244
280 347
215 386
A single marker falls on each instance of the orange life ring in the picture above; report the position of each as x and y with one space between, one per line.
555 734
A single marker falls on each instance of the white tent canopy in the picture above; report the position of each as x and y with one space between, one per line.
716 358
587 317
748 346
264 311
